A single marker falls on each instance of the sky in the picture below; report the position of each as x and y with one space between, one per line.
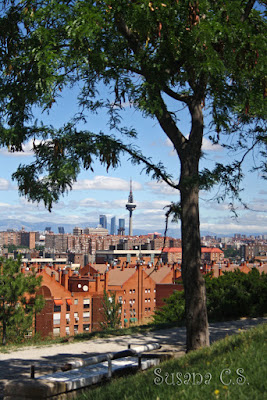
107 193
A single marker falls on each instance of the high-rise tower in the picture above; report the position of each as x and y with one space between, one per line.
103 221
130 207
113 226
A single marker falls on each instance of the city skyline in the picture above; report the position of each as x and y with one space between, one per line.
106 193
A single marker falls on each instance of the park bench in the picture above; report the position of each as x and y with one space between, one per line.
78 375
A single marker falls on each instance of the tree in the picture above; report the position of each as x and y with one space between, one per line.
111 312
209 56
18 302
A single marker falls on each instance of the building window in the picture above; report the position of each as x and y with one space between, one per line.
67 318
75 302
148 290
75 329
145 290
86 316
56 331
145 309
86 303
76 317
145 300
67 330
56 318
154 290
86 327
133 290
120 299
130 291
57 308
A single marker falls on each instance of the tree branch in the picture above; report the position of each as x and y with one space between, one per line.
177 96
248 9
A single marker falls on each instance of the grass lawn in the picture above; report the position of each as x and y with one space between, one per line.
233 368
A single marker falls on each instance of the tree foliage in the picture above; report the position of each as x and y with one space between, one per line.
18 300
213 52
111 311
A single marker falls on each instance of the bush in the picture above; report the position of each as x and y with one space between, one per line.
230 296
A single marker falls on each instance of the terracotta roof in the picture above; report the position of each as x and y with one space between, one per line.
160 274
243 268
211 250
100 268
172 250
117 277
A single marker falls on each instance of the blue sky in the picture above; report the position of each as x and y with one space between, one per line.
101 193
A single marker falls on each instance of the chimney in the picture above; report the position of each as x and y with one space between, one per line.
60 275
97 288
65 279
106 280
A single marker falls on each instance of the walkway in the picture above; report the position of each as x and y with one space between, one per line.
17 364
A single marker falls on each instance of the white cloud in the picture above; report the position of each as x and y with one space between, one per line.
162 188
152 206
207 145
105 183
27 150
5 184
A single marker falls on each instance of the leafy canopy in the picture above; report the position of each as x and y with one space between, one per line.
18 299
144 53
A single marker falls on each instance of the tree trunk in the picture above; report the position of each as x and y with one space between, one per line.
197 330
4 333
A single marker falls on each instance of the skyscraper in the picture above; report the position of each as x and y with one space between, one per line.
121 230
61 229
103 221
113 226
130 207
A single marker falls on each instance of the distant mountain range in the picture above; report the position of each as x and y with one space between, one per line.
17 224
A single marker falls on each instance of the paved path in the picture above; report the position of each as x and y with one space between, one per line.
17 364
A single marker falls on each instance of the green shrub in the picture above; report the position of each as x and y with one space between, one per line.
232 295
